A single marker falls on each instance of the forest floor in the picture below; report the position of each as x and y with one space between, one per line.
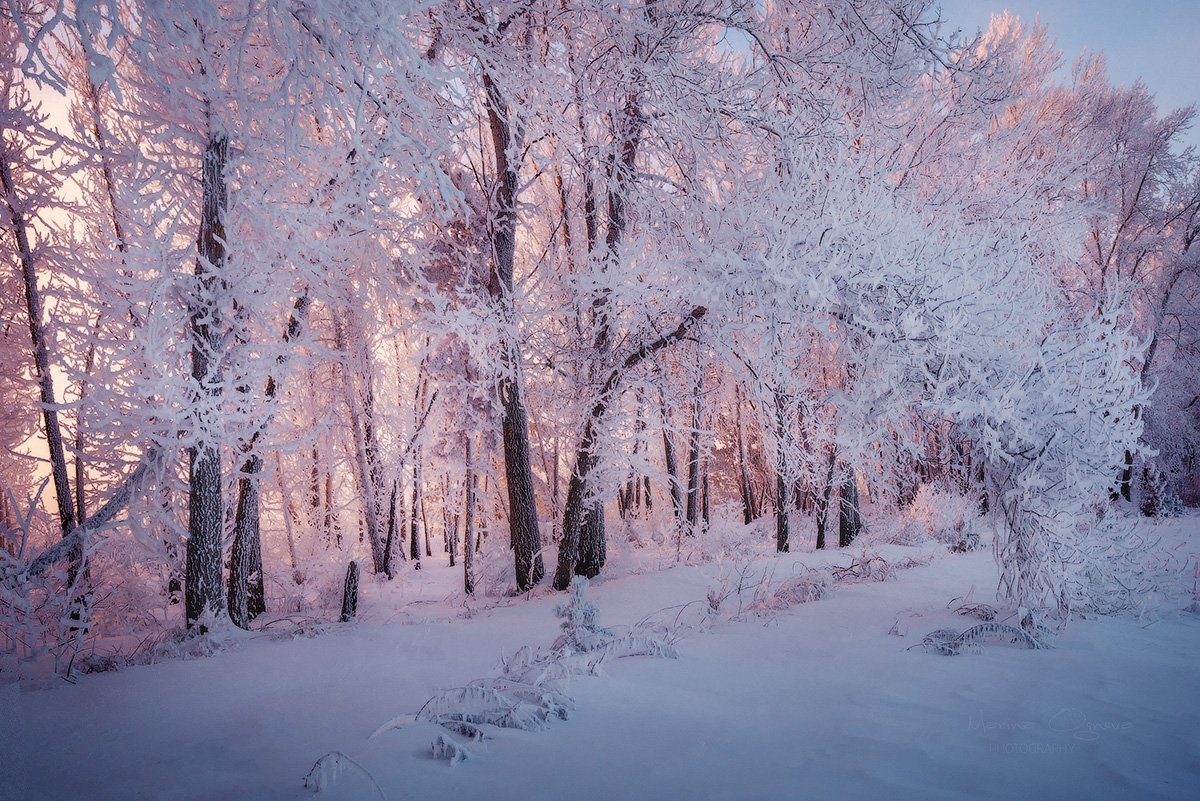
824 700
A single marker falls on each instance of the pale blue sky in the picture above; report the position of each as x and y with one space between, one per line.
1156 40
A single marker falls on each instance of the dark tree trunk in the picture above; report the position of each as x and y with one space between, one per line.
1127 477
350 594
525 538
450 516
414 543
247 595
469 520
821 504
578 506
203 588
371 455
693 466
672 464
18 226
582 546
783 481
593 543
749 513
314 488
849 518
783 512
389 546
425 526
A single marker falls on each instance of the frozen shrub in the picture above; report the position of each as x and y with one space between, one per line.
943 515
1159 498
581 630
811 585
869 566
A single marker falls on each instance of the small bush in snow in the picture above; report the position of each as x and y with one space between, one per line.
811 585
1159 498
867 567
940 514
580 626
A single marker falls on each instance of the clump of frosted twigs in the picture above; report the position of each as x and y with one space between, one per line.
44 615
873 567
951 642
983 612
329 767
1031 633
531 691
979 611
758 593
811 585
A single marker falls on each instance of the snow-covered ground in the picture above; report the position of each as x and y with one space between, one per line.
821 700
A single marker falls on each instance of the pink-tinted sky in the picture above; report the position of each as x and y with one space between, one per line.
1156 40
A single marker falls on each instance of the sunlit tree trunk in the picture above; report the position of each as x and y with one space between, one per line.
19 230
203 588
522 504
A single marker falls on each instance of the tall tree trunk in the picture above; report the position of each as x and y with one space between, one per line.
821 503
575 554
451 516
593 543
247 596
469 518
203 588
749 513
350 594
19 228
693 463
783 511
587 536
389 545
1127 477
247 592
289 511
425 526
672 464
525 538
849 518
414 528
783 480
365 473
